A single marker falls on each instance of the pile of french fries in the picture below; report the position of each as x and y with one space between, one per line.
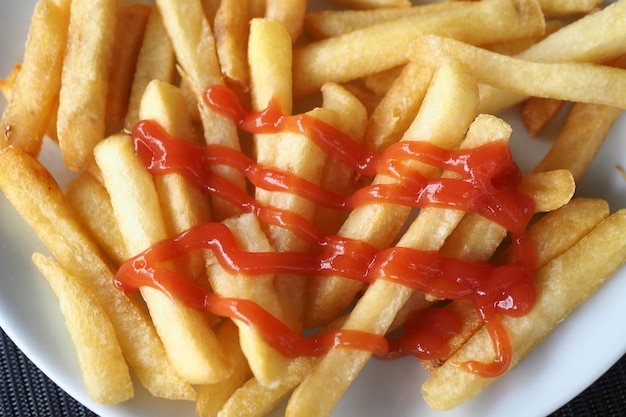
380 71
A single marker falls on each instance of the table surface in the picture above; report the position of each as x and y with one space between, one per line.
26 391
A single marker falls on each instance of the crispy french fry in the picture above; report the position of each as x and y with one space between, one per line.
183 205
129 32
25 119
189 341
231 29
328 23
155 62
82 99
577 144
102 364
88 197
211 398
348 57
562 285
194 45
38 198
580 82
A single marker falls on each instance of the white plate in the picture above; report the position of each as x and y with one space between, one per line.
570 359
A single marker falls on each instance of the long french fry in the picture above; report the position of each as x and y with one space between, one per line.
190 343
99 354
579 82
82 99
231 27
38 198
348 57
25 119
562 285
289 12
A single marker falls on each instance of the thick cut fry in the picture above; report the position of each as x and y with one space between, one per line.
190 343
25 119
129 32
211 398
183 205
38 198
447 111
82 98
231 29
562 285
578 143
102 364
155 62
194 45
350 56
580 82
88 197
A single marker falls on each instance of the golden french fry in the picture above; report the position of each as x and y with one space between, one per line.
183 205
38 198
129 31
560 8
194 45
188 339
328 23
349 56
562 284
88 197
102 364
31 101
231 29
578 143
372 4
211 398
82 99
6 84
582 82
155 62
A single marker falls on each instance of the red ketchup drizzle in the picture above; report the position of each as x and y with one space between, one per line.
487 183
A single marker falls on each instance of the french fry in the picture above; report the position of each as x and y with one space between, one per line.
560 8
82 100
450 89
38 198
194 45
372 4
88 197
211 398
231 29
328 23
267 364
348 57
562 285
190 343
577 144
156 61
579 82
6 85
129 32
102 364
25 119
183 205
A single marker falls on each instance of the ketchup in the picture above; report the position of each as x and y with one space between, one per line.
486 184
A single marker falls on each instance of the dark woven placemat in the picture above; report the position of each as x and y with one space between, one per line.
26 391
